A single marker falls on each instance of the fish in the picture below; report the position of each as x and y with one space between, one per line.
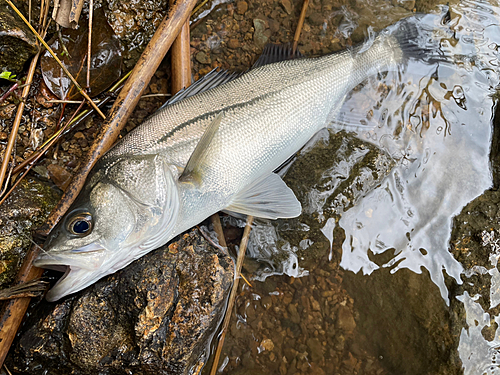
211 150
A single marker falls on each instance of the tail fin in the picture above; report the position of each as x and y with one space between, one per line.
410 40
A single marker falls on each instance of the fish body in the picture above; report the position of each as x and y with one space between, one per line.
212 151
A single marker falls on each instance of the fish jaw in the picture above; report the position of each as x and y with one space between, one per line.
82 267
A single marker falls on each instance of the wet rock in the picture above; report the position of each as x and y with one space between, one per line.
17 42
134 24
156 316
406 4
26 209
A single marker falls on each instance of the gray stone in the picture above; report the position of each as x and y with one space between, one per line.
156 316
259 37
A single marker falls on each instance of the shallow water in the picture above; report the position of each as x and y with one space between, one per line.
370 278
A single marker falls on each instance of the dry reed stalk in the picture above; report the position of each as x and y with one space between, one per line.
232 296
299 26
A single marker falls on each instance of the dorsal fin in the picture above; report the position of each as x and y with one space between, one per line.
191 172
273 53
210 80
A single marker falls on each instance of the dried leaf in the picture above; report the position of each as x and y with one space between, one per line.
59 175
106 59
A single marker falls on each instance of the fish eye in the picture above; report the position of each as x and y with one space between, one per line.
81 224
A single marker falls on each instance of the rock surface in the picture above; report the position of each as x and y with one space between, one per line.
156 316
27 208
17 42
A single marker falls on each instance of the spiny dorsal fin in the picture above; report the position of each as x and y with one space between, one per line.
273 53
210 80
191 173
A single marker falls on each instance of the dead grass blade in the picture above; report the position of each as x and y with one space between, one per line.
32 288
39 154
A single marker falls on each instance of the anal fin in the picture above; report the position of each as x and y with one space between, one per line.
268 198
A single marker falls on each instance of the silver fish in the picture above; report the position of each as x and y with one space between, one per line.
212 151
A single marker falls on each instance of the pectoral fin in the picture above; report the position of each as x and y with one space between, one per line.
192 171
269 198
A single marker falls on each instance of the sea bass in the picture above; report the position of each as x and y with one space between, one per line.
212 151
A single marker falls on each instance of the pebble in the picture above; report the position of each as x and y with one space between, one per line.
315 349
233 43
59 175
258 36
202 58
267 344
345 320
287 5
294 315
241 7
3 136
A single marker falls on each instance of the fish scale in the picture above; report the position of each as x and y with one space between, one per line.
215 150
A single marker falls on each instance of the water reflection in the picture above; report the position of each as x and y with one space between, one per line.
432 124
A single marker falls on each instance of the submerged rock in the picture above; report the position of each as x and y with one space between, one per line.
156 316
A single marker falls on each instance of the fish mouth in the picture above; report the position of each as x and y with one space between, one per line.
71 281
81 267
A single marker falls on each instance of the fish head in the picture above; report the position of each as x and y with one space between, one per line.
124 211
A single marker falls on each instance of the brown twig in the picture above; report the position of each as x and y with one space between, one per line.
14 309
32 288
63 67
8 92
218 229
17 120
299 26
89 45
181 60
232 296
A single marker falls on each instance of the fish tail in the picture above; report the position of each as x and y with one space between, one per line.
408 39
